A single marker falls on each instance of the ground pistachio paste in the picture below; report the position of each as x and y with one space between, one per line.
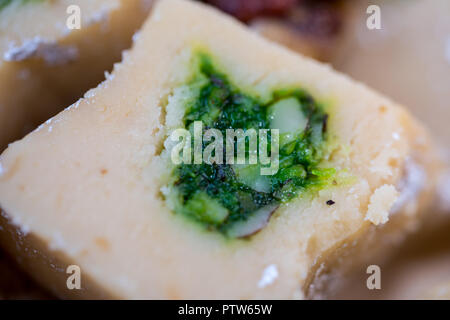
236 200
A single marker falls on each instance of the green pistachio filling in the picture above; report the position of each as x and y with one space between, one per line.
236 200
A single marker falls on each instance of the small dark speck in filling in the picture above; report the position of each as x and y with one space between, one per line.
330 202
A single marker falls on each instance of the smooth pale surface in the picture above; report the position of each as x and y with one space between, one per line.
85 187
58 65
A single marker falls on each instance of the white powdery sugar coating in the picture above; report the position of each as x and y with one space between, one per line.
100 16
39 128
396 136
268 277
109 76
57 242
136 36
25 229
50 52
19 53
2 170
47 123
90 94
22 229
74 106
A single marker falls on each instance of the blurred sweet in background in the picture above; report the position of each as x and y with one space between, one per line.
311 27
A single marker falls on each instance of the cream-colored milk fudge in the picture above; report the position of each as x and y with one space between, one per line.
46 63
100 186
